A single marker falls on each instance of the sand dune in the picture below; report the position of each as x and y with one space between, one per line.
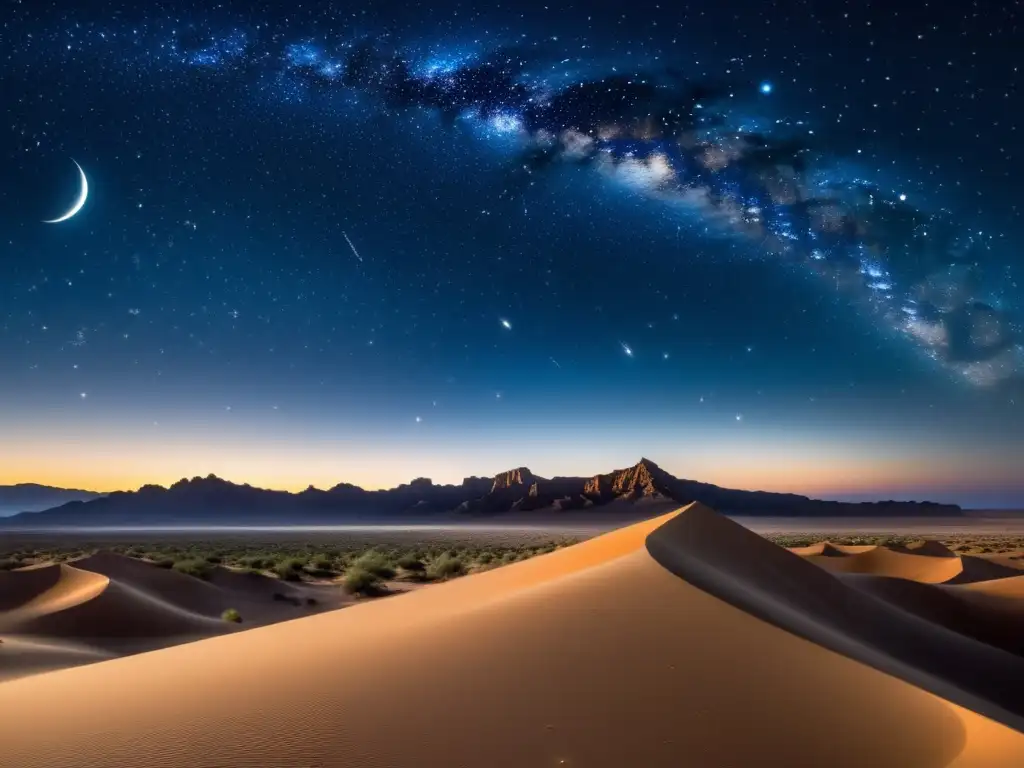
1014 560
191 594
828 549
24 656
884 561
65 588
974 569
998 622
18 587
108 605
671 642
929 562
94 608
1011 587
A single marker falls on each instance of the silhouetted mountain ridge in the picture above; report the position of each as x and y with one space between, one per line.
211 500
32 497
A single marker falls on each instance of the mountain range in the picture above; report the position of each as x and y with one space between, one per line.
31 497
210 500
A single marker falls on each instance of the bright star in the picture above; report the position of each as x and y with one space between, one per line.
739 417
766 88
626 348
903 198
83 395
418 419
506 324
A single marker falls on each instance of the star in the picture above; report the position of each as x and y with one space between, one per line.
83 395
626 348
419 419
506 324
766 88
739 417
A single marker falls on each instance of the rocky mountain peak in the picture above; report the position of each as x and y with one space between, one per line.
520 476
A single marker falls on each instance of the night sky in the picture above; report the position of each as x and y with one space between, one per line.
767 245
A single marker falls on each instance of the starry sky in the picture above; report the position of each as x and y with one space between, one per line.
767 245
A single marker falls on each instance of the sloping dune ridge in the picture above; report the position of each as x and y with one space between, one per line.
109 605
684 640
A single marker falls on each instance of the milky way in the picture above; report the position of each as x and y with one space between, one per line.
920 275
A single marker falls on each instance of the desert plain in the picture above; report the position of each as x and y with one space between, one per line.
683 640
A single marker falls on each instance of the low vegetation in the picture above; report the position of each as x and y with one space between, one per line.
232 615
374 562
360 581
364 565
199 568
447 566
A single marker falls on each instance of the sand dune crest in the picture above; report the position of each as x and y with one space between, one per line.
884 561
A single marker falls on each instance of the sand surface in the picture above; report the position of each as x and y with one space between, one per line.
685 640
107 605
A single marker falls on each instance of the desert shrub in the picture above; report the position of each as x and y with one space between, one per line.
213 559
374 562
194 567
9 563
163 562
321 562
255 563
287 574
232 615
485 557
410 562
290 569
446 567
361 581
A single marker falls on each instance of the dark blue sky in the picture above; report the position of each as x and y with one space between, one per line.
390 241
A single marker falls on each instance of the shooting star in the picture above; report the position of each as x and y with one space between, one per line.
555 362
345 235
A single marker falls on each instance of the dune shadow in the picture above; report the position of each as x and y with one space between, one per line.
739 567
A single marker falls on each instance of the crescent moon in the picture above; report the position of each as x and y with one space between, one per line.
83 194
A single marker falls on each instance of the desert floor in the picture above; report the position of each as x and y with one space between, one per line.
686 639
